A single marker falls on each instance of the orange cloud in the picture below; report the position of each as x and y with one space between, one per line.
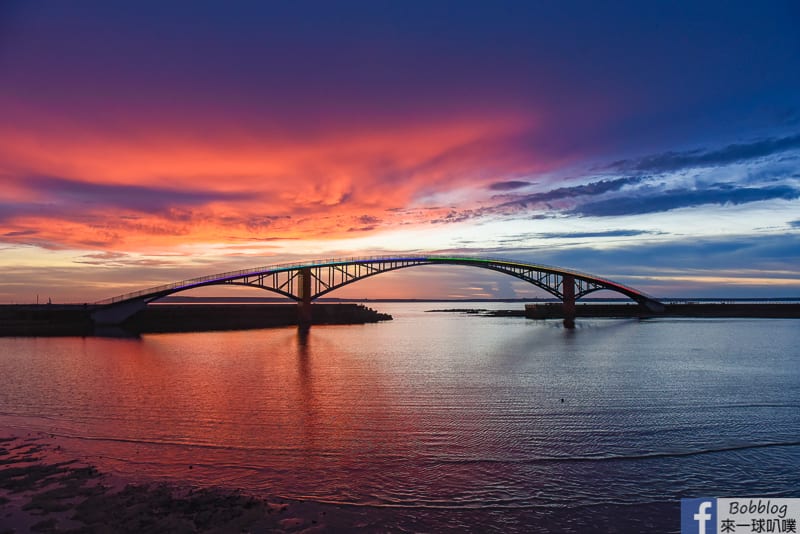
72 186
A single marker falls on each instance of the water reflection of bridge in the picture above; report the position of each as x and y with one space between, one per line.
304 282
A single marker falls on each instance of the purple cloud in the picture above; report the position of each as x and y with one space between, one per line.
77 194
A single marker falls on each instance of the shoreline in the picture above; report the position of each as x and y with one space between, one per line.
45 489
18 320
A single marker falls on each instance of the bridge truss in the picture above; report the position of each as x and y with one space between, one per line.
304 282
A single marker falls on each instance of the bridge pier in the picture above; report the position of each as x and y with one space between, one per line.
304 303
568 292
305 282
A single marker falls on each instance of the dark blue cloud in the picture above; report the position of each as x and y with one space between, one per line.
584 235
513 241
562 193
734 153
653 201
509 185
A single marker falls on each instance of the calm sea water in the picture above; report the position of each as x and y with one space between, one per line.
436 421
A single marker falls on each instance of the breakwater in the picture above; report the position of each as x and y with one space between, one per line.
75 320
553 310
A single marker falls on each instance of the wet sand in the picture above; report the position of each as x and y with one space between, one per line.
42 489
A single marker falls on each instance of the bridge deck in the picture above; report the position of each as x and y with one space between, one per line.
306 281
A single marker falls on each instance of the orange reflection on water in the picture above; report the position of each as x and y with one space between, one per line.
276 399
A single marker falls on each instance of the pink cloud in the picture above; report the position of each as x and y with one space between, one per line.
149 186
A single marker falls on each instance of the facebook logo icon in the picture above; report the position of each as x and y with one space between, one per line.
699 516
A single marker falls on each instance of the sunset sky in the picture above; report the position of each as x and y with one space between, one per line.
653 143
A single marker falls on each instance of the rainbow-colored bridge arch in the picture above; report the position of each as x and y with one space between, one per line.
306 281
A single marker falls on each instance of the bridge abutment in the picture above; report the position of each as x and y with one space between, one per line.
116 314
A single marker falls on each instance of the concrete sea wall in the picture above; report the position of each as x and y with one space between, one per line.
75 320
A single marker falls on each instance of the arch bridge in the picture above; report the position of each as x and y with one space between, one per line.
304 282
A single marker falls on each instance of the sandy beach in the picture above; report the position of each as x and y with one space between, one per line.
42 489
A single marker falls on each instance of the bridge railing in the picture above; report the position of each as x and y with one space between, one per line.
203 280
422 258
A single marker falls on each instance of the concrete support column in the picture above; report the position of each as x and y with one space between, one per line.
568 290
304 304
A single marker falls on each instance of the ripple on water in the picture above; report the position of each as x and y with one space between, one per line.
518 420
